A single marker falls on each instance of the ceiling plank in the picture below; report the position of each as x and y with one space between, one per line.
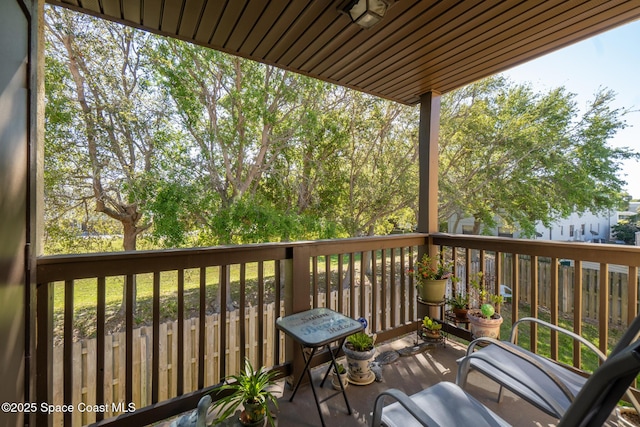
419 46
191 16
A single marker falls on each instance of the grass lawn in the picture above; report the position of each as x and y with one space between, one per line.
565 344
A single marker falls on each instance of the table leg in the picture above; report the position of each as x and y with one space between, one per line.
333 364
306 368
313 389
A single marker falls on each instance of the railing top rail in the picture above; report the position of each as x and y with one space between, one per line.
71 267
78 266
595 252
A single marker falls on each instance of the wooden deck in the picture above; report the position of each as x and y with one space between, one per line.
409 373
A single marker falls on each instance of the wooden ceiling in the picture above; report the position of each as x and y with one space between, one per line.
419 46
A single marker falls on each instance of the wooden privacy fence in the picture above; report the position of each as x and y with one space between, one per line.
84 387
618 286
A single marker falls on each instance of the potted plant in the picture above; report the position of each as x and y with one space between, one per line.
251 389
431 328
459 304
485 320
431 278
359 350
342 373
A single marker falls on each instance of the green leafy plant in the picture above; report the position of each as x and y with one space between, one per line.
340 369
488 303
248 387
360 341
431 324
459 300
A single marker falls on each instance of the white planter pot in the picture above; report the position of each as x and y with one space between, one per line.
359 371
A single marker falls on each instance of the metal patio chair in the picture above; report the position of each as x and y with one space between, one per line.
447 404
545 383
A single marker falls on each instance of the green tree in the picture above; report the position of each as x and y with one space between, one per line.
509 153
240 116
105 120
626 230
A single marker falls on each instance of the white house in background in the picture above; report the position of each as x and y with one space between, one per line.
575 228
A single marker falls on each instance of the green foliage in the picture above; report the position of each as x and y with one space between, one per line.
459 300
248 386
431 269
626 231
341 369
196 147
511 154
431 324
360 341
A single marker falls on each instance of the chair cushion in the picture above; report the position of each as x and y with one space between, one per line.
525 380
447 404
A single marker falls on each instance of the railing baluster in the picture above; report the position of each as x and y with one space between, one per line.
362 312
180 365
261 313
155 361
632 285
393 289
352 284
202 326
603 309
340 292
68 349
577 311
44 349
129 309
243 311
554 306
278 297
534 302
373 325
100 336
223 320
515 288
383 288
315 281
412 289
327 279
403 286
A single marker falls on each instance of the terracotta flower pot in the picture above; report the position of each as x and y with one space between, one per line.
482 327
460 313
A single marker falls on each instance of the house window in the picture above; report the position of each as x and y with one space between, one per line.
583 229
467 229
562 230
571 231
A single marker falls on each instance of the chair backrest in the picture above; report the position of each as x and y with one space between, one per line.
606 386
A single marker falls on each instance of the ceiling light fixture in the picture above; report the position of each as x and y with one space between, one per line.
366 13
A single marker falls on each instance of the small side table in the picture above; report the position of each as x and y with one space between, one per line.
314 329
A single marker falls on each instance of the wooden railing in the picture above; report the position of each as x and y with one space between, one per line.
512 257
365 277
193 283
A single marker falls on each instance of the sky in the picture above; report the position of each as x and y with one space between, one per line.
610 60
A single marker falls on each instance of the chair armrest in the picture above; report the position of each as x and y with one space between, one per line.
576 337
405 401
